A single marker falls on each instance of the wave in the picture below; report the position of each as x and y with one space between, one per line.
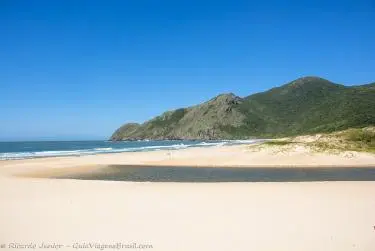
102 150
39 154
212 144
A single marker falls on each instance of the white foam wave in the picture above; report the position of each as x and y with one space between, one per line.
25 155
103 149
38 154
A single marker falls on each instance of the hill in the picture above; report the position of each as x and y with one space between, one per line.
305 105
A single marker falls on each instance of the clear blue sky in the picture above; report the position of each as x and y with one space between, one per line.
80 69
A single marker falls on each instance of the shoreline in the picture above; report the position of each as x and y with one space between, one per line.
244 155
234 156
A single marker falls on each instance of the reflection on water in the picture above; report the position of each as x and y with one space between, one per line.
225 174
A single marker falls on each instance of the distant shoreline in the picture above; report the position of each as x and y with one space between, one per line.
41 149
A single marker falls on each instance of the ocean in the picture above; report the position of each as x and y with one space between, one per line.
37 149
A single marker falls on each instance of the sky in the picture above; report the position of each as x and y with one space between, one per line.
80 69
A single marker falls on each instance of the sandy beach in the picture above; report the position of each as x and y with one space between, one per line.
229 156
88 215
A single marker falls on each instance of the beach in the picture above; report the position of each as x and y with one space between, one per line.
69 214
255 155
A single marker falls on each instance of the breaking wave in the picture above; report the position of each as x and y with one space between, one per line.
118 148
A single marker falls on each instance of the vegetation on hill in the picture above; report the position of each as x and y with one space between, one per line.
306 105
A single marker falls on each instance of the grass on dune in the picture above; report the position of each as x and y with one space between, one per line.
278 143
358 139
361 139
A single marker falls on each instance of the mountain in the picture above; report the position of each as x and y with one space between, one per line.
305 105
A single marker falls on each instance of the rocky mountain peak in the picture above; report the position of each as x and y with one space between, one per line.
226 98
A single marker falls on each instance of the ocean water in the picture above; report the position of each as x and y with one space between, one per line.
37 149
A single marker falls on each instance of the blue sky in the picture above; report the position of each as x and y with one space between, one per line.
80 69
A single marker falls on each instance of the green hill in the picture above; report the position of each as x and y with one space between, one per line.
306 105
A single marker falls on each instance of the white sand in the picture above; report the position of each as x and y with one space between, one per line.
181 216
